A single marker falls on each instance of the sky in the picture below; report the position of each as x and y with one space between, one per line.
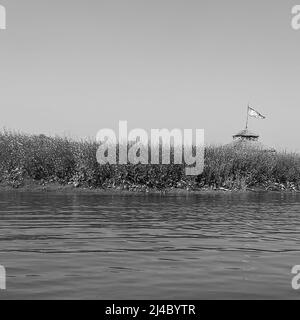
71 68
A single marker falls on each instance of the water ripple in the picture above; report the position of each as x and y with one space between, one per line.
149 246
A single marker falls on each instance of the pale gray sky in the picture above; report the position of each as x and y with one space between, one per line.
73 67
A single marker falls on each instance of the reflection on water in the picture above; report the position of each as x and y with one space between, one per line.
235 245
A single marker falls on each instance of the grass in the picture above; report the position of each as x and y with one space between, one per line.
67 162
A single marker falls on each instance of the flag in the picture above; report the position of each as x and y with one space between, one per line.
255 114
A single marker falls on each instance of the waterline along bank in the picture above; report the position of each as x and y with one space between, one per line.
54 160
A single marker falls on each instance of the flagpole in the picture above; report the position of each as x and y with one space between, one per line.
247 117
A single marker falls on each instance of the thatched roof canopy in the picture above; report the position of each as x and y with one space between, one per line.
247 134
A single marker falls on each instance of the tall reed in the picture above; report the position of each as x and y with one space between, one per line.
65 161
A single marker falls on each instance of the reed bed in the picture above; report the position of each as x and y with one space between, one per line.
65 161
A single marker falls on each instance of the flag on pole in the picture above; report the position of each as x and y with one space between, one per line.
255 114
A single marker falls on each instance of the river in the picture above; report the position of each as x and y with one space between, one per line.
113 246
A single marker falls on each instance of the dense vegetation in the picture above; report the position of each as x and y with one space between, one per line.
67 162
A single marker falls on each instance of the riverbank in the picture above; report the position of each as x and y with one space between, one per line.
36 186
39 162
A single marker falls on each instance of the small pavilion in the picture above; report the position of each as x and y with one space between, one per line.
249 139
245 135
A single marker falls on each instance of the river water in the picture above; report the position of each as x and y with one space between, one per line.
104 246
